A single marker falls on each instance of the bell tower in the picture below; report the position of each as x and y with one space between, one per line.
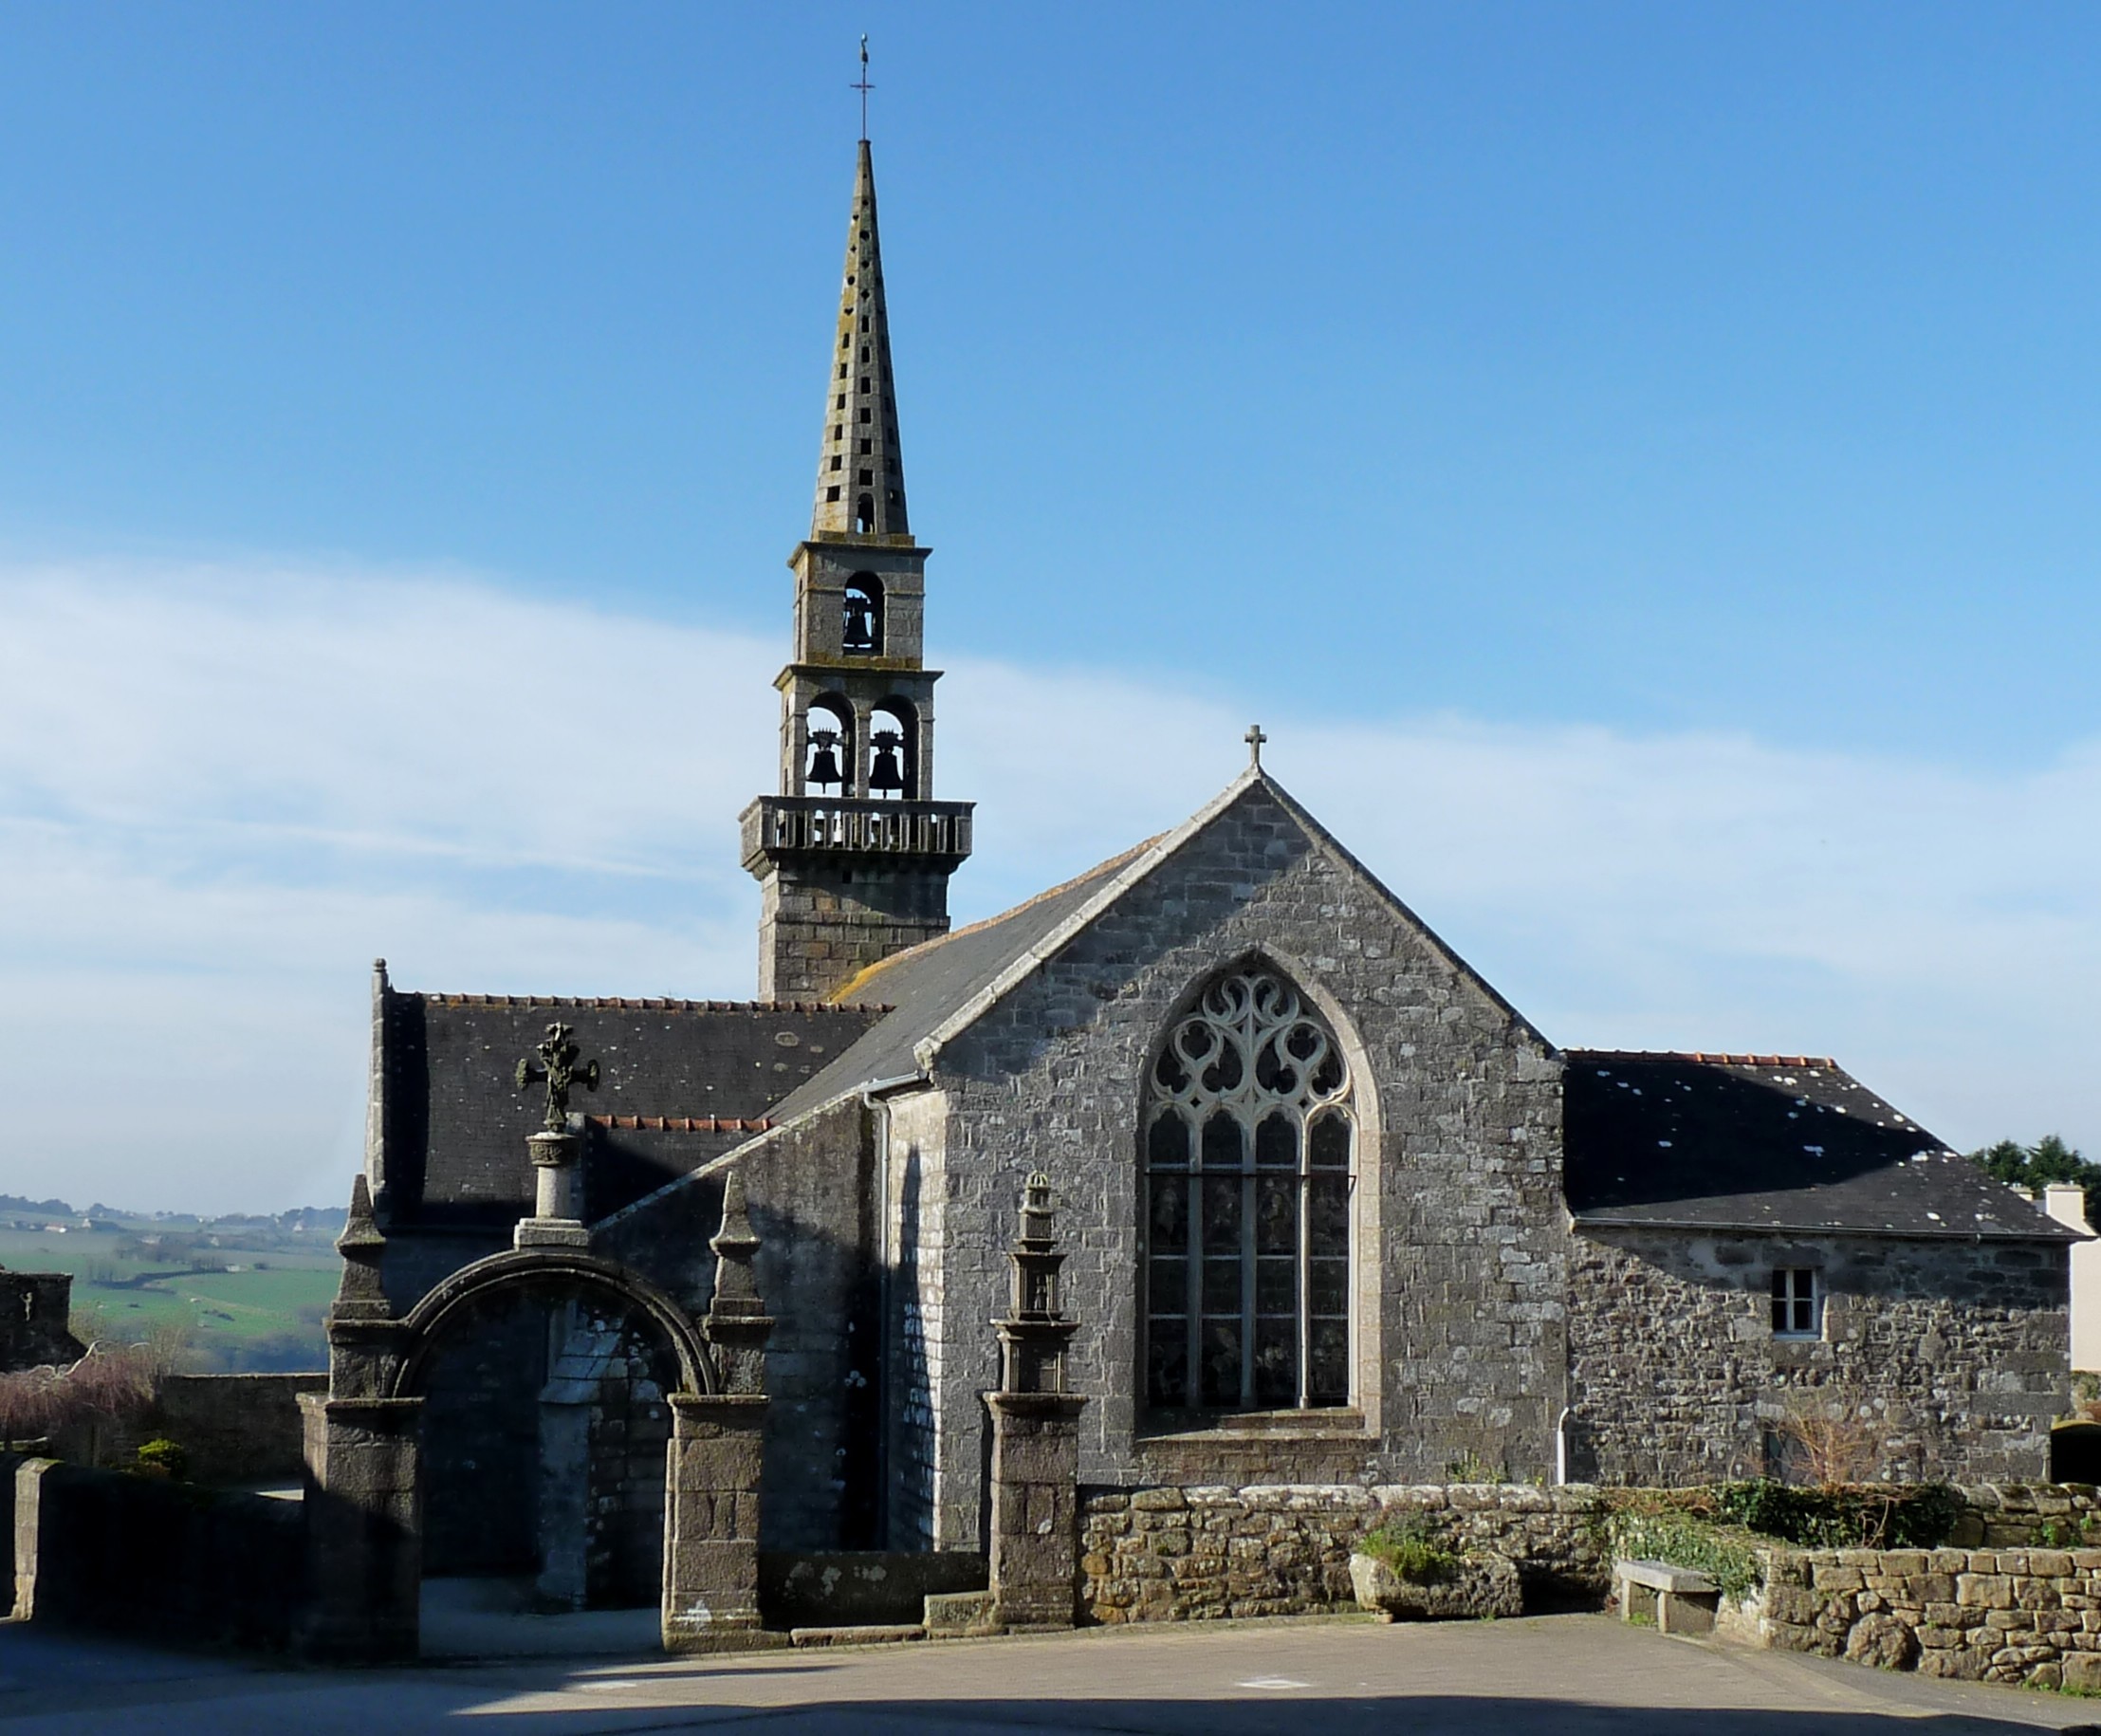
854 856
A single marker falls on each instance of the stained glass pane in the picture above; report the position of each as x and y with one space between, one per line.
1275 1213
1276 1286
1167 1367
1222 1214
1169 1141
1276 1363
1273 1071
1224 1142
1328 1379
1170 1216
1327 1214
1222 1287
1277 1143
1221 1345
1223 1074
1328 1286
1328 1142
1168 1289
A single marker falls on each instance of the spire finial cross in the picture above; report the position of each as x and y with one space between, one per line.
865 87
1254 738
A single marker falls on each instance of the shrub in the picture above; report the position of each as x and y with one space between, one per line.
1855 1518
161 1457
1412 1550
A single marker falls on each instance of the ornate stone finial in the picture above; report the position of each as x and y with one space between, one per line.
737 1323
1034 1335
359 1294
558 1067
1254 738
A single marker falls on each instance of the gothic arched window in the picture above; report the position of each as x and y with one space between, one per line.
1249 1142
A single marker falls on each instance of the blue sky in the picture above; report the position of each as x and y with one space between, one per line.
1629 428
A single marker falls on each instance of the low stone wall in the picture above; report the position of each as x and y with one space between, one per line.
1166 1554
2027 1516
235 1428
151 1558
2030 1615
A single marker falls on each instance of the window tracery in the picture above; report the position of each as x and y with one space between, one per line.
1248 1152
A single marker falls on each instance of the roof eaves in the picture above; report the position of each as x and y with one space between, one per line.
2049 1230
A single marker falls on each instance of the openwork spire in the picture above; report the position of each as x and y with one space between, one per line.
861 473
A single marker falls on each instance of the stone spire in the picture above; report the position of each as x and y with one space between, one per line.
861 470
854 855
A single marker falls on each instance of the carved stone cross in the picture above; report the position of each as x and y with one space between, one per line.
1254 738
558 1067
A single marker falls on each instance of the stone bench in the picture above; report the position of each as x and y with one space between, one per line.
1686 1601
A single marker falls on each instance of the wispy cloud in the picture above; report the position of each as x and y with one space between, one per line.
223 791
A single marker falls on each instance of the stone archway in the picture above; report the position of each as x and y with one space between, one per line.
546 1377
363 1441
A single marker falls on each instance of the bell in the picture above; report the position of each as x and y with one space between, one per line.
884 775
859 630
825 762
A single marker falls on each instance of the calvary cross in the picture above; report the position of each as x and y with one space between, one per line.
558 1067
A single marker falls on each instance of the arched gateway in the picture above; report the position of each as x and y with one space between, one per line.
611 1346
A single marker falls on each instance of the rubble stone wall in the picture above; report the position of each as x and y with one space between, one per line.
1957 1350
2027 1616
1164 1553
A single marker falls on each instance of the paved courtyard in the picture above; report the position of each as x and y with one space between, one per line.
1322 1678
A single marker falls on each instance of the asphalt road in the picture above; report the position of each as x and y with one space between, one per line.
1578 1673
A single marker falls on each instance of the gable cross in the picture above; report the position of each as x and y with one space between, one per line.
1254 738
557 1067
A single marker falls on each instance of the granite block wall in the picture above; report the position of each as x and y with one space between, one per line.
1955 1350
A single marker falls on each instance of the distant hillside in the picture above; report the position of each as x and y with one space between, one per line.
311 1225
248 1290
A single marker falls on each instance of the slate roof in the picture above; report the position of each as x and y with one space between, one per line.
1767 1142
682 1081
928 983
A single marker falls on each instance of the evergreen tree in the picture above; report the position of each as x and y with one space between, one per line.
2034 1167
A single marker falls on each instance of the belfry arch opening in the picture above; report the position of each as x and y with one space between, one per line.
894 752
861 617
828 748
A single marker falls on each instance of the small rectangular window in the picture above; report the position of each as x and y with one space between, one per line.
865 415
868 445
842 370
838 463
864 322
867 476
832 493
1795 1301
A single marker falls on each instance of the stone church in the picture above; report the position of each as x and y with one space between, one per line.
1315 1203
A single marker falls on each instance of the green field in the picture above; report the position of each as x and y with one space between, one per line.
265 1314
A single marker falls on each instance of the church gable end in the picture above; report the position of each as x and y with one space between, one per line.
1457 1255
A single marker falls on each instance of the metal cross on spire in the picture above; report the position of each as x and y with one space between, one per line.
865 87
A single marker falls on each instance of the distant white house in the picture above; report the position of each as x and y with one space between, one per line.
2068 1204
